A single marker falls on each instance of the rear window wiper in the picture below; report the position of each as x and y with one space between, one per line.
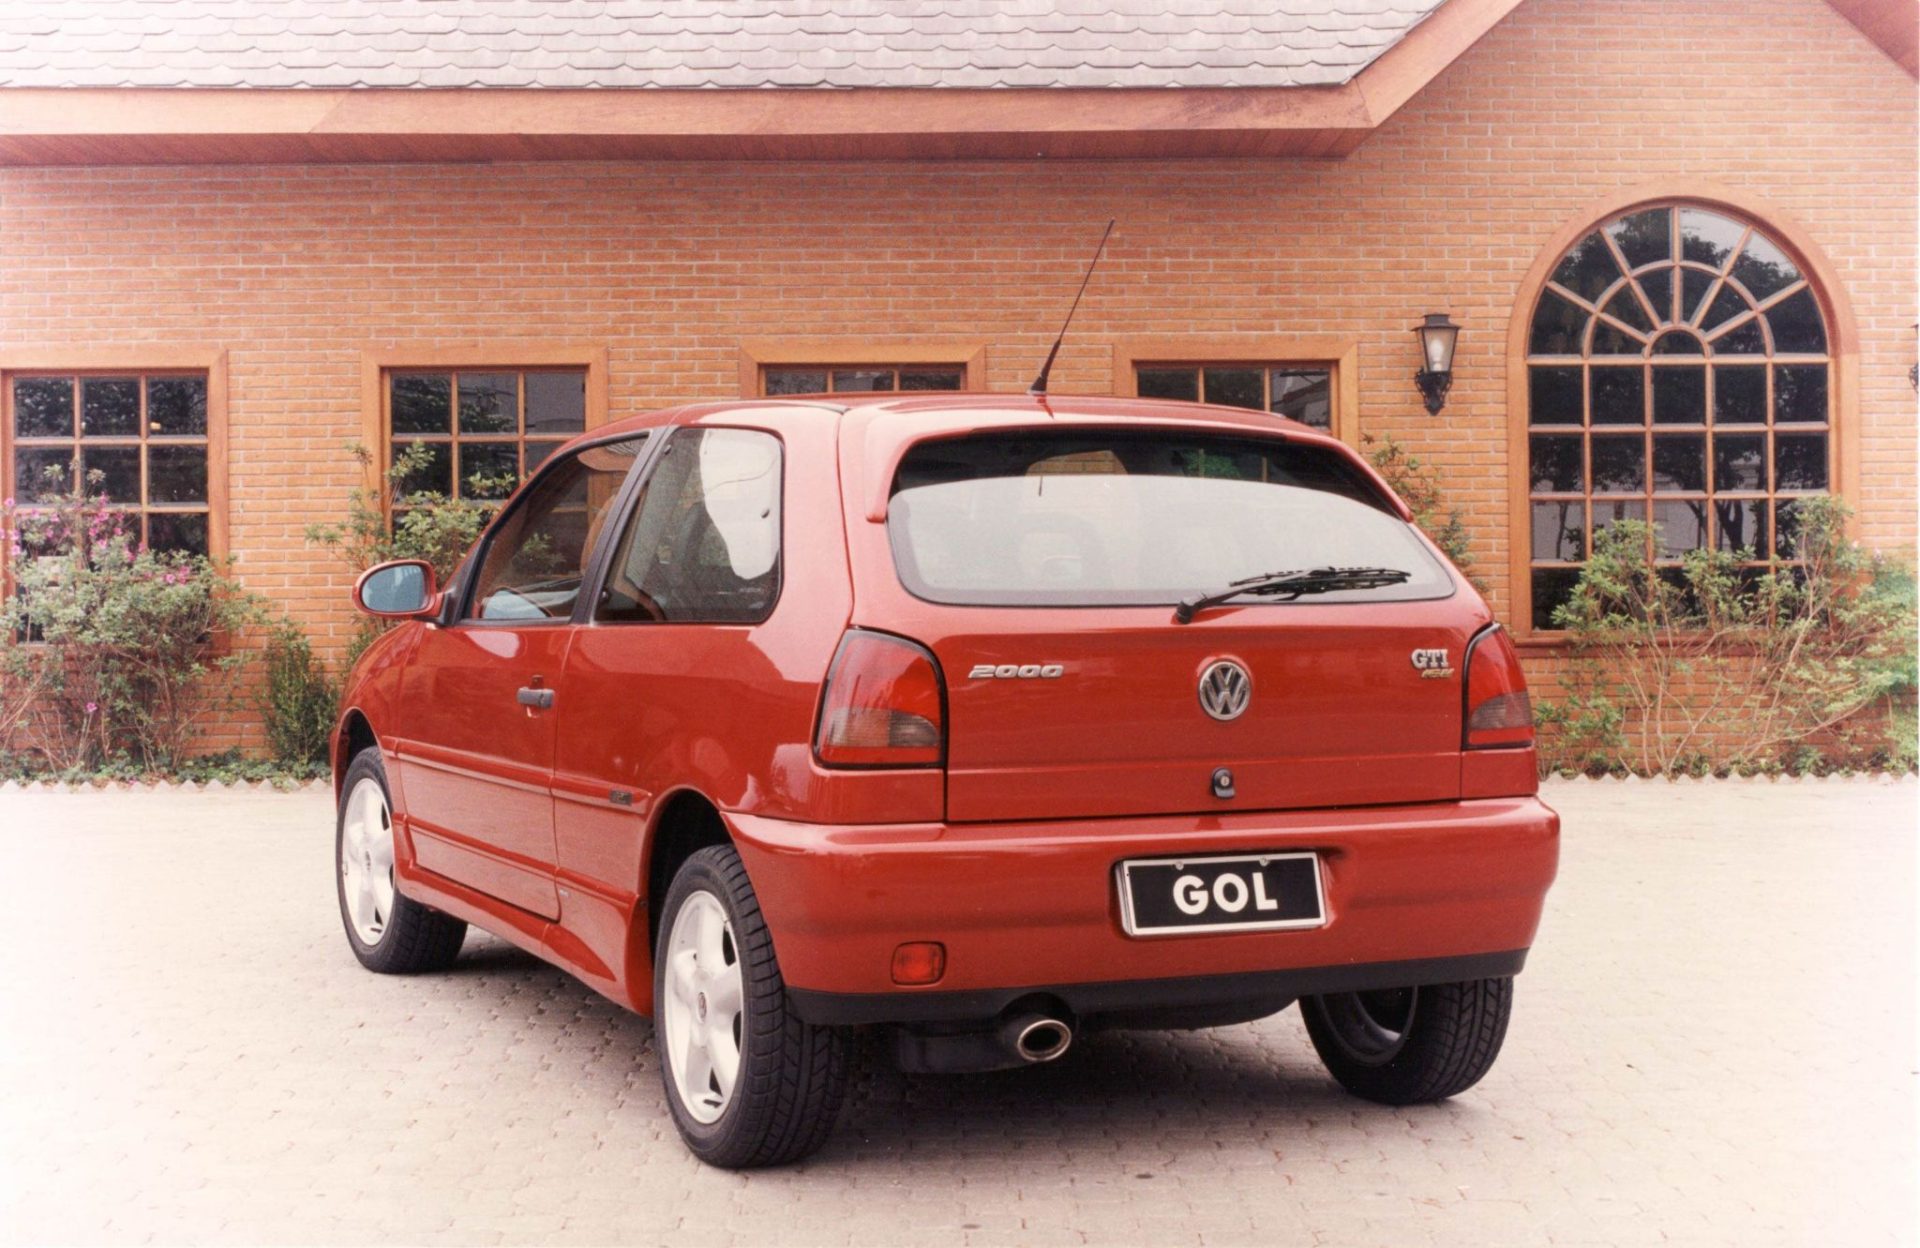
1290 585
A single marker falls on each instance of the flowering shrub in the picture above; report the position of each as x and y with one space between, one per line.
1414 480
123 651
1710 667
427 525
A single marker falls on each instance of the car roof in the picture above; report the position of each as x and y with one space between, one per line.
949 412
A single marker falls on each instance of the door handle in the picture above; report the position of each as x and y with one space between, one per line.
535 699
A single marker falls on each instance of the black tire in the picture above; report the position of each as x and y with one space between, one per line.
1411 1046
415 939
793 1075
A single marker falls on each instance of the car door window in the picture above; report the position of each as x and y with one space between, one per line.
536 557
703 546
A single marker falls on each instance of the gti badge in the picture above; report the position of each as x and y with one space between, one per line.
1432 664
1225 690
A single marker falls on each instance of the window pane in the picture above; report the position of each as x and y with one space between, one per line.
177 406
930 378
557 402
1800 394
1618 398
1556 465
1800 461
1764 269
1739 395
1786 528
1625 307
1741 525
110 407
43 407
178 531
42 470
853 380
1169 383
704 544
1551 588
1553 395
1608 340
786 381
1234 387
1694 287
1679 463
1644 237
488 469
1588 269
1677 342
422 403
1619 465
1797 326
537 452
489 402
1304 395
1557 326
1744 339
1559 531
119 471
536 556
1680 396
1739 461
177 474
1707 236
1608 512
433 476
1659 287
1725 306
1679 527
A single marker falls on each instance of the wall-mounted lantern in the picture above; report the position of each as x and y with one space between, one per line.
1437 336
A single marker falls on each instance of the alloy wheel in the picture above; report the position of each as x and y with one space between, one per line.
702 1012
366 861
1371 1027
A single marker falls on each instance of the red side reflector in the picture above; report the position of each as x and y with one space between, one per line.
919 962
883 705
1499 712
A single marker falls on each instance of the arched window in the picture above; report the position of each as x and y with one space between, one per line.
1677 373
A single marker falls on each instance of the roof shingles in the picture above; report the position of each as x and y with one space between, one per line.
697 43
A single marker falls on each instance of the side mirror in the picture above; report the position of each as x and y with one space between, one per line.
401 590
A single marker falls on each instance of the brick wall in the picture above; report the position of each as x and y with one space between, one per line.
297 271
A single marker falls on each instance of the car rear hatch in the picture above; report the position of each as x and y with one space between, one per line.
1043 569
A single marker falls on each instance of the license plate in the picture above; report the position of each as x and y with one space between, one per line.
1246 893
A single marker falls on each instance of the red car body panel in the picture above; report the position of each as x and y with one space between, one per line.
539 824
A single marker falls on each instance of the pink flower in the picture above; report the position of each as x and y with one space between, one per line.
92 707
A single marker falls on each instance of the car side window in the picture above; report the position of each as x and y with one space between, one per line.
703 545
536 557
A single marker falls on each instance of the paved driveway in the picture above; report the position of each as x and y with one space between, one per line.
1714 1044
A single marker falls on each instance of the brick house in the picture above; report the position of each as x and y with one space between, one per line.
1679 235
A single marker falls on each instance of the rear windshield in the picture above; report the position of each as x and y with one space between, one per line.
1129 518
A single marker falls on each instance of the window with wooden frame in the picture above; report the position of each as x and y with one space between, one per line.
142 439
1302 392
1678 373
780 380
480 431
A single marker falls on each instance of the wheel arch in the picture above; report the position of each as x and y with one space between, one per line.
354 734
684 822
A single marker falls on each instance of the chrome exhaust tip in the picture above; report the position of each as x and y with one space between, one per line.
1037 1038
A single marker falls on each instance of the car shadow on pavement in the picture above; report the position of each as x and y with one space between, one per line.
1254 1085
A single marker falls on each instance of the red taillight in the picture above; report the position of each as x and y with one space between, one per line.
1499 712
883 706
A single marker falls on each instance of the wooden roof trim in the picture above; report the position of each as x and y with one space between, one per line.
1892 25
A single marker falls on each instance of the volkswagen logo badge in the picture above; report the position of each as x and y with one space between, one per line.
1225 690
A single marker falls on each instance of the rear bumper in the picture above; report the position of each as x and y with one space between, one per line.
1414 894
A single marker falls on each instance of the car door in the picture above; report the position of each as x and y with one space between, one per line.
671 669
479 697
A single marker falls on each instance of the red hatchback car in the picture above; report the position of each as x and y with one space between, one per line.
993 720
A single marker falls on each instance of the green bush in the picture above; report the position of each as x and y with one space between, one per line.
429 526
124 651
299 702
1710 667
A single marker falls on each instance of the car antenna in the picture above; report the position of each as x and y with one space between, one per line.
1039 386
